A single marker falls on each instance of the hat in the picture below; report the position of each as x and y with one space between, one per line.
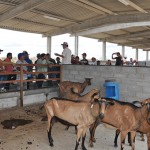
1 50
25 52
65 43
84 54
20 55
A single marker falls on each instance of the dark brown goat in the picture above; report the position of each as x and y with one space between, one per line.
127 118
77 87
80 114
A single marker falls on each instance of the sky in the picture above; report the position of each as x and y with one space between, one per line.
16 42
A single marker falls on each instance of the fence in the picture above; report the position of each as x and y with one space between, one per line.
34 72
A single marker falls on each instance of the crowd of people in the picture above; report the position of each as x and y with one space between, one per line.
66 57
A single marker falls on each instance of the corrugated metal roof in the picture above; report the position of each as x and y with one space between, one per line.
75 16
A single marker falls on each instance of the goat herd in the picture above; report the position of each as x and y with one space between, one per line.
89 110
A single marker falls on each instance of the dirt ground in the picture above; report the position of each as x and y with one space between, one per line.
33 136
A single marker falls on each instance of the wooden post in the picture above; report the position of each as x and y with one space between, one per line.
21 85
60 73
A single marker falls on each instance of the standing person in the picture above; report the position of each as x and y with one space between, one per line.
9 69
84 61
118 58
29 68
43 60
21 60
94 62
66 54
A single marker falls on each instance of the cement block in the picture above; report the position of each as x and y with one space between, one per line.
52 94
31 99
8 102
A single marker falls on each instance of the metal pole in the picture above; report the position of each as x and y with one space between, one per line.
49 44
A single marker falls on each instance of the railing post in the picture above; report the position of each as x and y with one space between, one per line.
21 86
60 73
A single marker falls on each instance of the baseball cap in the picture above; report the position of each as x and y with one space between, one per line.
84 54
65 43
25 52
20 55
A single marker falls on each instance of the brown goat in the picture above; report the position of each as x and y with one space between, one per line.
80 114
77 97
93 94
77 87
127 118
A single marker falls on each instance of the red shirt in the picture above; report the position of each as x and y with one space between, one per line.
8 68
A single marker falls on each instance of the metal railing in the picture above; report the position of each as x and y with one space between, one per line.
21 73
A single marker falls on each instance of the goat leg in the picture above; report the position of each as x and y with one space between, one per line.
123 135
83 140
129 138
116 137
92 130
142 137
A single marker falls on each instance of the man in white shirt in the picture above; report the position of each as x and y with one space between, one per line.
21 60
66 54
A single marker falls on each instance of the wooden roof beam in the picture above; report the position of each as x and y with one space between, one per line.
112 28
86 6
97 7
127 36
22 8
99 21
135 6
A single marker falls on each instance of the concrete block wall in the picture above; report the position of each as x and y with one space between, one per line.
134 82
12 99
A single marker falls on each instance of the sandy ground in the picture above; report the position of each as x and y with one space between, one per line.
33 136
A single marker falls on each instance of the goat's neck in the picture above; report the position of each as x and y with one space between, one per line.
143 113
83 85
95 109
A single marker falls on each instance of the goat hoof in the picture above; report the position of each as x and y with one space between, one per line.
84 148
51 144
91 145
94 140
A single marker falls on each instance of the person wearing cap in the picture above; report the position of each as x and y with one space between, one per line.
84 61
29 68
21 60
66 54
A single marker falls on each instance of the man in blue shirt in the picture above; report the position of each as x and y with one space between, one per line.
29 68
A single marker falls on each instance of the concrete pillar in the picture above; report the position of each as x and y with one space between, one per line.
104 50
123 51
76 45
136 54
49 42
147 55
